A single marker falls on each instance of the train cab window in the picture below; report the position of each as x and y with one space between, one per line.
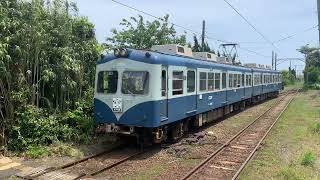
217 81
135 82
191 81
210 81
177 82
107 82
163 83
224 80
180 49
203 81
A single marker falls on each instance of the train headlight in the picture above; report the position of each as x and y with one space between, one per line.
116 52
124 52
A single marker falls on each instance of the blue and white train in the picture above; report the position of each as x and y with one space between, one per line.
160 93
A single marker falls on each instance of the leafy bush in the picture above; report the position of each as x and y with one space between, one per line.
62 149
308 159
37 151
35 127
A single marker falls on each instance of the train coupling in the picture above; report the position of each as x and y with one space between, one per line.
115 129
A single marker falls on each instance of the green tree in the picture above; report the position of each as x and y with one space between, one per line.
196 46
287 77
140 34
312 69
47 57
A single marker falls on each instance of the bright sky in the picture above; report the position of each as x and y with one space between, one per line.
276 19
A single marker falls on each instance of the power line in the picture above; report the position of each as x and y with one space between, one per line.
293 35
180 26
254 52
250 24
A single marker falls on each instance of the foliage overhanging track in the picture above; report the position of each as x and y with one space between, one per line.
236 145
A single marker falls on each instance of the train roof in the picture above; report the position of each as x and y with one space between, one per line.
152 57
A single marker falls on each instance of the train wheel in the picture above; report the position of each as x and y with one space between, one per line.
177 131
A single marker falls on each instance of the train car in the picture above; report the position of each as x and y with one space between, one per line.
160 93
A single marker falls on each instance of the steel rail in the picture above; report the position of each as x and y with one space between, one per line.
263 138
121 161
195 169
51 169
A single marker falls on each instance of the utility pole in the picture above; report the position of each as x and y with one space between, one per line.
204 33
275 61
272 60
318 4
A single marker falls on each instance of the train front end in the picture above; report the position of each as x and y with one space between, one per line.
124 102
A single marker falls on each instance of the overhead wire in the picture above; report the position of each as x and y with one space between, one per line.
250 24
293 35
182 27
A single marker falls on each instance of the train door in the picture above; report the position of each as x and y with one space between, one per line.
225 86
191 92
164 94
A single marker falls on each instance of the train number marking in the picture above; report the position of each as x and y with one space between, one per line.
117 105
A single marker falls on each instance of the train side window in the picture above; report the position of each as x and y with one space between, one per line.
107 82
224 80
235 80
191 81
177 82
217 81
256 79
163 83
203 81
247 80
242 82
210 81
230 80
250 80
239 80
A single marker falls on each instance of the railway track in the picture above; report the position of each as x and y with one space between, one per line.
83 168
228 161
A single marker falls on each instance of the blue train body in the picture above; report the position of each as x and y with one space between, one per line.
157 92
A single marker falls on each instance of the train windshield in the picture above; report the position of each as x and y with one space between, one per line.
107 82
135 82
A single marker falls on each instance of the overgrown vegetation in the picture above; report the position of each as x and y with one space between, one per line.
47 64
312 69
288 77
